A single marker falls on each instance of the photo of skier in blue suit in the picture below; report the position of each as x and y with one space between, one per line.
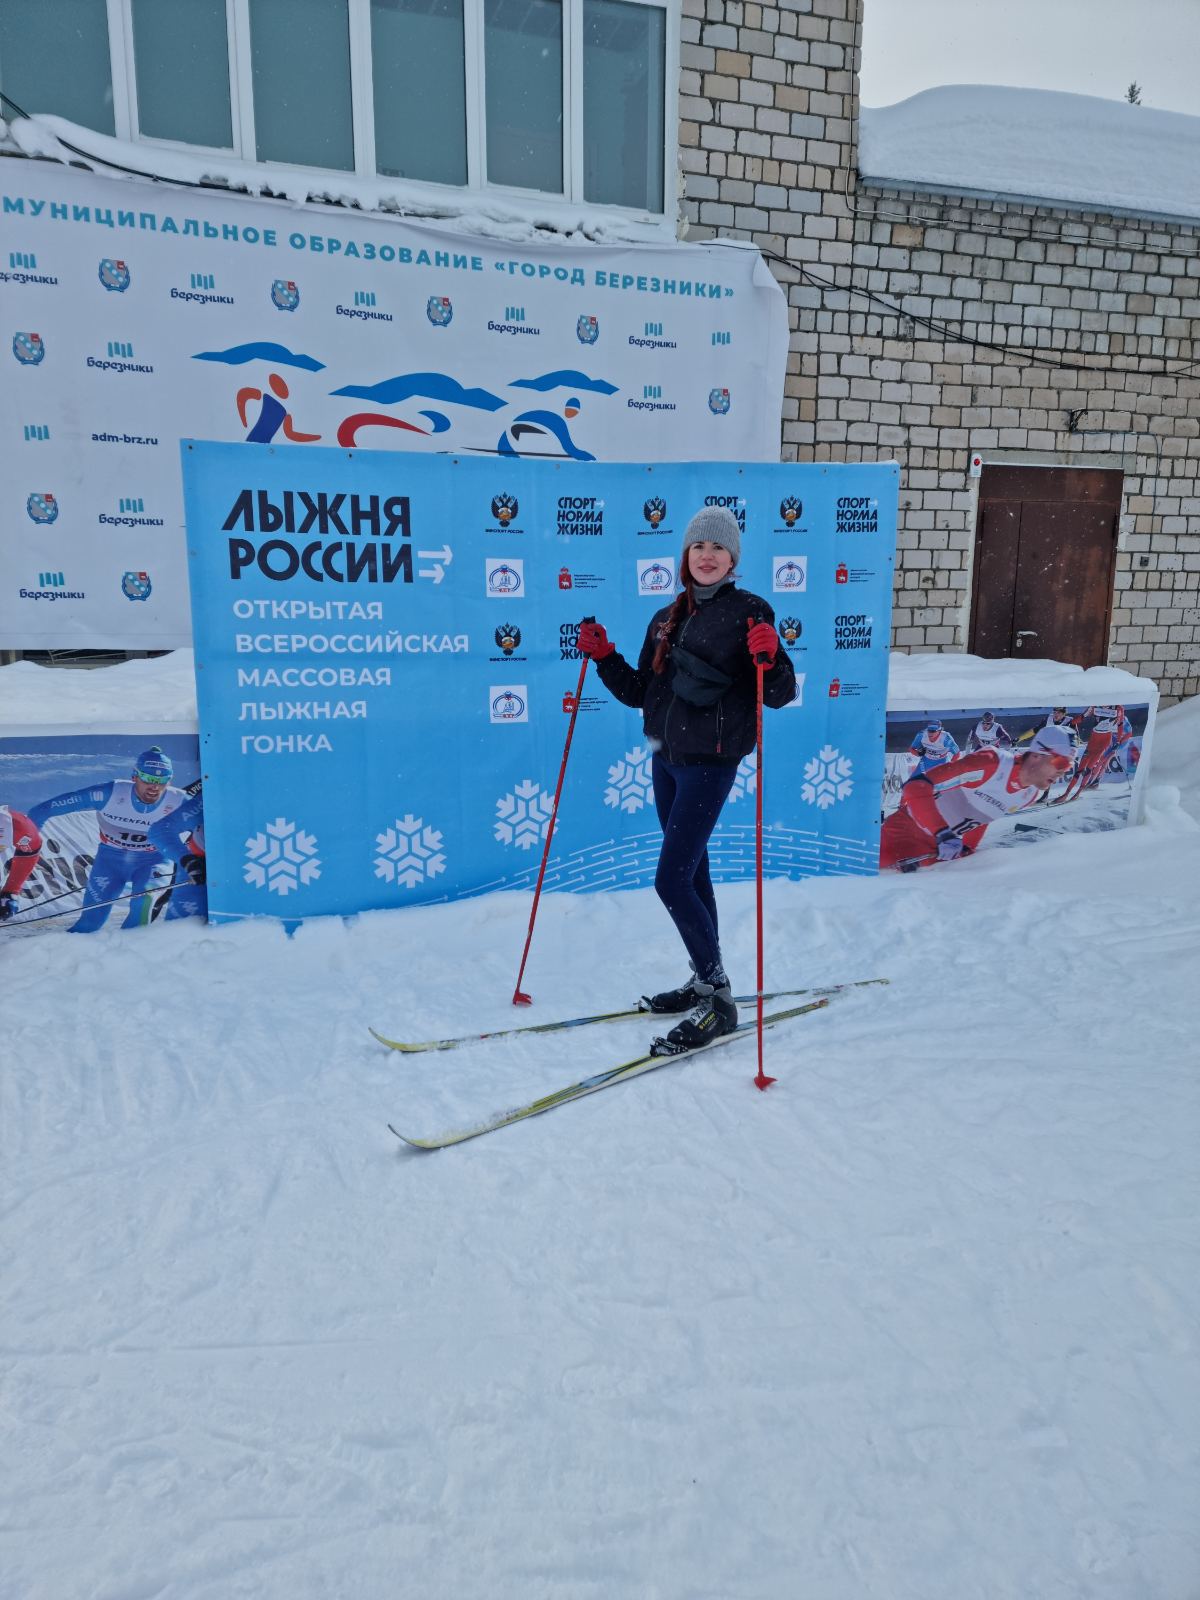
127 808
179 836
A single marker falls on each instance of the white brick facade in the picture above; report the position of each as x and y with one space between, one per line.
1052 312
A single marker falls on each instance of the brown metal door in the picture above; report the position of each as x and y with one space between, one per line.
998 542
1046 548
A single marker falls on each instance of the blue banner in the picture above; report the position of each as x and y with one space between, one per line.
386 664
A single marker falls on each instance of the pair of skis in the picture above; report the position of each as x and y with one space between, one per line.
620 1073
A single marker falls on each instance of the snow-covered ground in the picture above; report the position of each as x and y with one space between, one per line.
920 1323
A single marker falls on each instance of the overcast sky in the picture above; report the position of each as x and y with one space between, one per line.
1086 46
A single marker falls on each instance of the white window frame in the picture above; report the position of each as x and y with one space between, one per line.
533 202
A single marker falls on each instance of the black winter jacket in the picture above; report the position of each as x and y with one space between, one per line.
715 633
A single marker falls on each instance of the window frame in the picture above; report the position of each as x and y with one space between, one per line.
534 202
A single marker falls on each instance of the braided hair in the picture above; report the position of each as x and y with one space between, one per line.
683 605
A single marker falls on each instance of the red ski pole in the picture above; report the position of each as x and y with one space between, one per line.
762 1081
519 997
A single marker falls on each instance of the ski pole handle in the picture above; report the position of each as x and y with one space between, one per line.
762 659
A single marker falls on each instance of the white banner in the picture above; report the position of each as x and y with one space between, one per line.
135 315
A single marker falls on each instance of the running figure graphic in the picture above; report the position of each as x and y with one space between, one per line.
273 414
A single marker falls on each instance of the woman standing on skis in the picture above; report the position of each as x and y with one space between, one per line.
695 683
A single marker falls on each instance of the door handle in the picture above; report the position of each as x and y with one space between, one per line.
1026 633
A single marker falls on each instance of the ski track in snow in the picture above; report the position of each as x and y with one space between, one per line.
918 1324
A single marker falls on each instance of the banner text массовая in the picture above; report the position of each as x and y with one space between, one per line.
386 659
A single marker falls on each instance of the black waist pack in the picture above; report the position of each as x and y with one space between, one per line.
697 681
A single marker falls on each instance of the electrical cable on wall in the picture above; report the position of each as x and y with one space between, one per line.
953 334
103 161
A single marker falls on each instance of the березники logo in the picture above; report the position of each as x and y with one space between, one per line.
285 294
580 515
440 310
119 358
656 577
114 275
718 402
587 330
508 702
789 574
29 348
51 586
857 513
653 338
136 585
504 580
131 513
42 508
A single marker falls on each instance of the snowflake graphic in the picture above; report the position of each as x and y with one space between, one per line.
523 815
745 780
828 778
282 858
629 781
409 852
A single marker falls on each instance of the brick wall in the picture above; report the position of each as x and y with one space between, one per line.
768 106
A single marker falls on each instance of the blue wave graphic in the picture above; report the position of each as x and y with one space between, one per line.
425 386
437 422
261 350
565 378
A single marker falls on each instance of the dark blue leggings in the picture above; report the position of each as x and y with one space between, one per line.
689 801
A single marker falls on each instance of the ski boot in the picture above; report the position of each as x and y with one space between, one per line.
714 1016
681 999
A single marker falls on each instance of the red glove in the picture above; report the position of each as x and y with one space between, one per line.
594 642
762 640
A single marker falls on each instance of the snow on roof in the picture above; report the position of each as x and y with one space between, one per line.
514 218
1070 149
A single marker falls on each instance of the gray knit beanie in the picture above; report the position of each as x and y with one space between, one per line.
715 525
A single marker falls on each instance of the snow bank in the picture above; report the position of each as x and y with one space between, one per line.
146 693
162 689
1177 753
1037 143
948 682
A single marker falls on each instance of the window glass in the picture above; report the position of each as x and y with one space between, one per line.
181 52
54 57
523 64
300 64
417 58
624 133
